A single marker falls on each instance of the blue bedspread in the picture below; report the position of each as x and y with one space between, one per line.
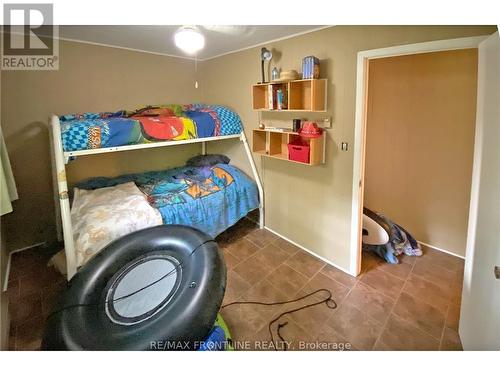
211 199
148 124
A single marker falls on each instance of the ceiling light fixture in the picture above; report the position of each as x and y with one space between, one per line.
189 39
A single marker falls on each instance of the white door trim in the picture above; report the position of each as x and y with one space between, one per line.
478 336
360 125
476 174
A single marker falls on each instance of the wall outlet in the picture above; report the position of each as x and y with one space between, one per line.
326 122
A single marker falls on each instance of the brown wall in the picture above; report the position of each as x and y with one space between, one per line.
90 78
420 142
312 205
4 298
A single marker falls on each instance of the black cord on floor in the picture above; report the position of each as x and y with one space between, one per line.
328 301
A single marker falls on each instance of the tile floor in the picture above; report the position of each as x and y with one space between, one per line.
414 305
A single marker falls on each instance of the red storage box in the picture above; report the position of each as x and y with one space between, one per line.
298 152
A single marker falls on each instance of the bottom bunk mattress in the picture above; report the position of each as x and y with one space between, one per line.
211 199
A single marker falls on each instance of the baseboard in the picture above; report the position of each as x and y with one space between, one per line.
440 249
7 270
309 251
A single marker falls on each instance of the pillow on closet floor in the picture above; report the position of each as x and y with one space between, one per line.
102 215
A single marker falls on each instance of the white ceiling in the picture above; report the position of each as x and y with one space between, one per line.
219 40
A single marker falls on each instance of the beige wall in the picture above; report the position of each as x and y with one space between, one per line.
420 142
312 205
90 78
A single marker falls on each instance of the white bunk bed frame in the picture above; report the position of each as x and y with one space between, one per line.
60 158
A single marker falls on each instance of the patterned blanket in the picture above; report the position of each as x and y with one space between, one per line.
400 240
147 124
210 198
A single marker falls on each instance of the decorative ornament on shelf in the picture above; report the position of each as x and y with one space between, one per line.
310 129
310 67
265 55
275 74
289 75
296 124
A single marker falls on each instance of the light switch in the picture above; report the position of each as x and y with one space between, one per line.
344 146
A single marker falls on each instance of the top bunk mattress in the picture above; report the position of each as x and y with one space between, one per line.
169 122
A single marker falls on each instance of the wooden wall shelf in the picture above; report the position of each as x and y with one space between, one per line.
274 144
302 95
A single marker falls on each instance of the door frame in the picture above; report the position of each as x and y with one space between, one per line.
360 127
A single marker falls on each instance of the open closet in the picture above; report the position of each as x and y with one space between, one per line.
420 123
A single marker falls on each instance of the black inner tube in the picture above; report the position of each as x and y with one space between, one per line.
160 284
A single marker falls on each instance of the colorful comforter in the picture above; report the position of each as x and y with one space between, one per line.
148 124
210 198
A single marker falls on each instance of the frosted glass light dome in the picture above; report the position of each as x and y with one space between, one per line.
189 40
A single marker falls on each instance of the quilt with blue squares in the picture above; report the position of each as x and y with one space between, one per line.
148 124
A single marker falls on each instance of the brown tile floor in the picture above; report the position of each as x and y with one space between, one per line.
414 305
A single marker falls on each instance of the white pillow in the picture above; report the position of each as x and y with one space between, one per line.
102 215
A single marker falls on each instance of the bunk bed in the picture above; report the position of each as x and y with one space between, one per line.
74 136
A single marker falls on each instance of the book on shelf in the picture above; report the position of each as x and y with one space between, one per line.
277 97
277 129
270 97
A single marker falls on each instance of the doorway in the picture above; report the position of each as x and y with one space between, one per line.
360 147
